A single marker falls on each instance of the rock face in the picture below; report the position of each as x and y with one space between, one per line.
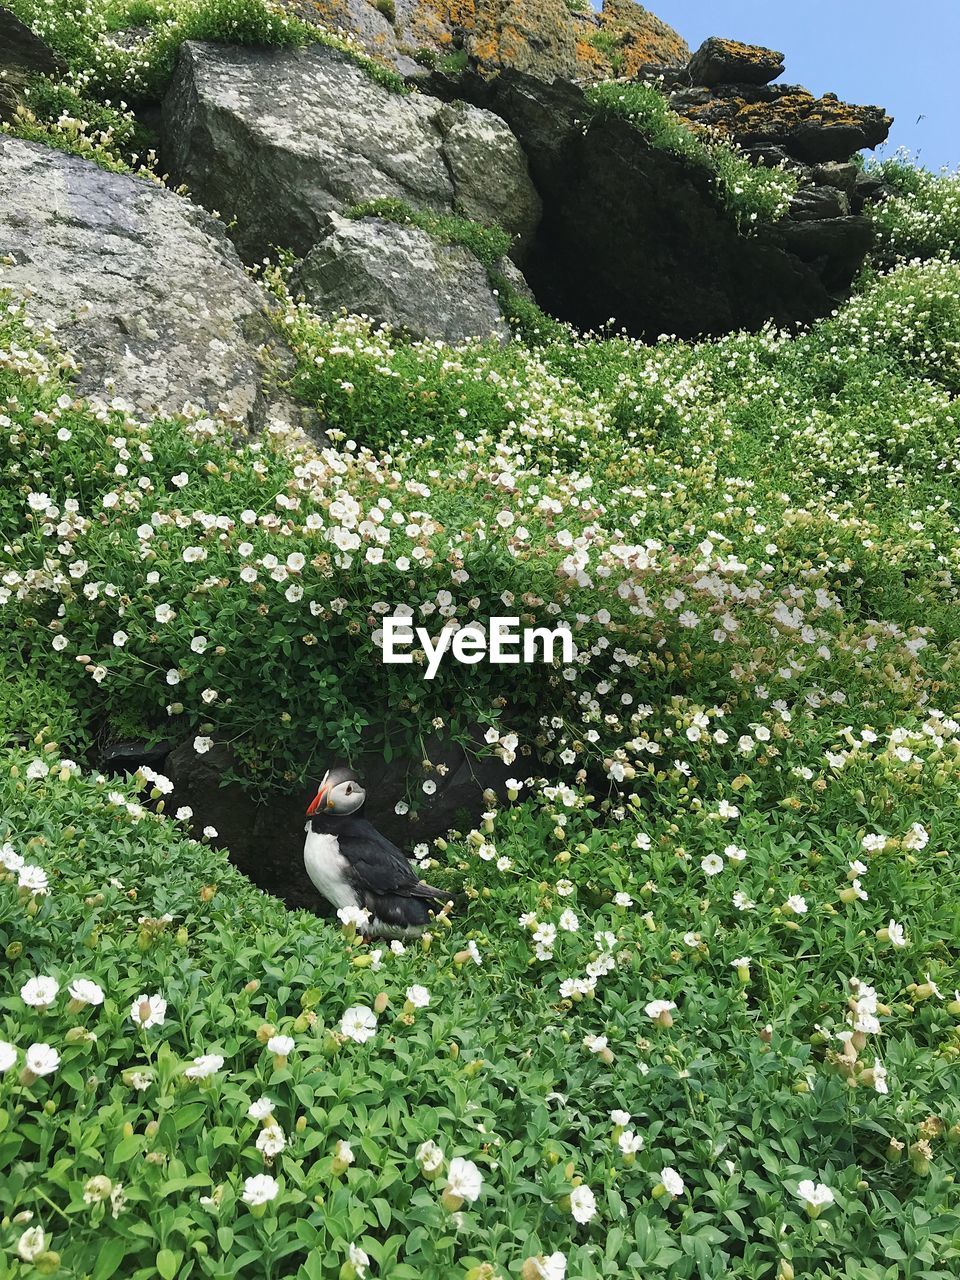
544 38
265 837
786 116
401 276
22 54
145 288
719 61
277 139
636 233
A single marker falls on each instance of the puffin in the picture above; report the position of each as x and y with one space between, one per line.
352 865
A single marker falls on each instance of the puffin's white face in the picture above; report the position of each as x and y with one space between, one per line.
339 797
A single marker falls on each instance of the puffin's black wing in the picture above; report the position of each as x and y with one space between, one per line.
376 866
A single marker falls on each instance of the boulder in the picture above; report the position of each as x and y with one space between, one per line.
22 55
810 129
144 288
275 139
636 233
402 277
819 202
719 61
265 835
544 38
21 50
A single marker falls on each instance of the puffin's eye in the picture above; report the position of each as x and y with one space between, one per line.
349 791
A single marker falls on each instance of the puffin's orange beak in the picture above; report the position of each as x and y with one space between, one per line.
316 802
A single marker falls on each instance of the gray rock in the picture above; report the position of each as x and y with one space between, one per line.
836 173
144 288
401 276
275 139
21 50
811 203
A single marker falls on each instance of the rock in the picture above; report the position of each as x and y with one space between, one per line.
719 61
277 138
636 233
627 40
836 246
22 55
21 50
265 837
810 129
835 173
811 203
544 38
144 288
402 277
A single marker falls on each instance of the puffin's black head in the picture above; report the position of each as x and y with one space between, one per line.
341 793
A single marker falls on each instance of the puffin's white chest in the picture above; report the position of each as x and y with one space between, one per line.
327 868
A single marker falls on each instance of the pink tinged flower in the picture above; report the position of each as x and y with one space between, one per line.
148 1011
260 1189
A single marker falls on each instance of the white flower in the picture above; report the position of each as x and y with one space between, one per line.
553 1267
814 1195
148 1011
630 1142
37 769
419 997
202 745
429 1156
568 921
797 904
10 860
897 934
199 644
210 832
260 1109
282 1046
85 992
164 613
658 1007
260 1189
271 1140
583 1203
712 864
359 1260
42 1060
206 1065
596 1044
31 1244
39 992
464 1179
622 900
120 638
672 1181
184 813
620 1118
8 1056
359 1023
357 916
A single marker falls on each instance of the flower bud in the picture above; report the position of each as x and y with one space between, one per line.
451 1202
785 1270
14 950
380 1003
151 1130
208 893
301 1124
48 1263
265 1032
252 986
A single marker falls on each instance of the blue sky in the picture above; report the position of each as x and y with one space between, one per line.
899 54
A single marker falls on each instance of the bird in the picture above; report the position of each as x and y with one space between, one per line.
352 865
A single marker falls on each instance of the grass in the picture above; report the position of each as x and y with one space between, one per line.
488 244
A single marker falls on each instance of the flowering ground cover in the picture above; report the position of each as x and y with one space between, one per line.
697 1013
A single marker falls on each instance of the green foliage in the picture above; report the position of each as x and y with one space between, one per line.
452 64
921 219
528 321
80 31
388 9
487 244
754 777
751 193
